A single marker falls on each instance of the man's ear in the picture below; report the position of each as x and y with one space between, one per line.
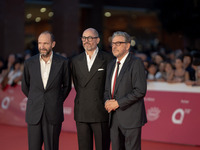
128 45
98 40
53 44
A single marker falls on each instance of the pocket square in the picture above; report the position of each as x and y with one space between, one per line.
100 69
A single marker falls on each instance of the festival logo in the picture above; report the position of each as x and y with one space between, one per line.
179 115
153 113
6 102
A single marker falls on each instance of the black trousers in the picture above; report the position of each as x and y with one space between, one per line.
86 132
43 132
124 139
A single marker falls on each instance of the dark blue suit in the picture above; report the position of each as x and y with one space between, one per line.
130 90
45 104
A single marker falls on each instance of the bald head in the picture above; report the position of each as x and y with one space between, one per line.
94 31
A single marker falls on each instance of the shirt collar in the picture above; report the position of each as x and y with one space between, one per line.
123 59
50 60
94 54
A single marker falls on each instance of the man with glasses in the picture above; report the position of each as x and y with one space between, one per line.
89 73
124 92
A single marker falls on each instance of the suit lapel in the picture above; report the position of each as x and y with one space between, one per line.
38 72
124 67
97 64
55 67
82 63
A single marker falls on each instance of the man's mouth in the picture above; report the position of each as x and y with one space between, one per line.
87 44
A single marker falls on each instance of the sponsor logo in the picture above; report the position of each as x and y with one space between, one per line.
149 99
153 113
67 110
23 104
183 101
179 114
6 102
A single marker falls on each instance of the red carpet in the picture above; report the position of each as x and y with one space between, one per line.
15 138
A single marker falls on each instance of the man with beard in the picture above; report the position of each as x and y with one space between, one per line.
46 82
89 72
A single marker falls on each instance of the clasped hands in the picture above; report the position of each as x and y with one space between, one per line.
111 105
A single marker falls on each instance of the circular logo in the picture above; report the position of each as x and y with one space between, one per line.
153 113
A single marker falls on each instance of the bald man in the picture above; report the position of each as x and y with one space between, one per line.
89 73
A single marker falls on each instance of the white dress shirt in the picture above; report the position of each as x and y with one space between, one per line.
45 69
90 61
120 67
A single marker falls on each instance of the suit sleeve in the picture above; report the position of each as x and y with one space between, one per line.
25 80
107 86
139 85
73 74
66 79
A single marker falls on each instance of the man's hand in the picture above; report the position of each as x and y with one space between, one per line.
111 105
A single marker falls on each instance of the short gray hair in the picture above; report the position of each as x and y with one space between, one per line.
124 34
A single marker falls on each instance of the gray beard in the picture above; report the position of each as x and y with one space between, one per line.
46 55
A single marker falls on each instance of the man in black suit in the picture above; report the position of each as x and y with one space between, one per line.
46 82
89 73
124 92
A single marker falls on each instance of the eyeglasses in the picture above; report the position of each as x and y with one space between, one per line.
89 38
117 43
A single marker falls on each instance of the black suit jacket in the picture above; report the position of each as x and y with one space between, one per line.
129 91
49 100
89 86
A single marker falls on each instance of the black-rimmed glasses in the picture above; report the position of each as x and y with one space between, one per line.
89 38
117 43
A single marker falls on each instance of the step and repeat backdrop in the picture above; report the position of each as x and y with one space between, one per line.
172 111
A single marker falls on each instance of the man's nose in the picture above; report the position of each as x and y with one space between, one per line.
42 46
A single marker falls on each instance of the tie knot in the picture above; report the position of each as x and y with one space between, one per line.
118 63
